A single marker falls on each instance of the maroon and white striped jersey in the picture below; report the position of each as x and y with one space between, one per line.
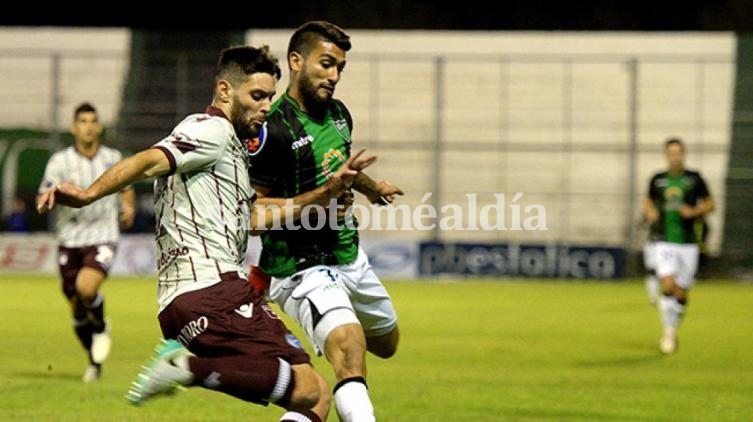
95 223
202 206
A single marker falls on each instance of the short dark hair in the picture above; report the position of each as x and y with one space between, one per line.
84 107
674 141
305 38
237 62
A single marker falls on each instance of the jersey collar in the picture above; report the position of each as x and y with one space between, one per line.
214 111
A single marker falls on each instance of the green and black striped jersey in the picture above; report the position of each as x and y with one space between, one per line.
294 154
669 193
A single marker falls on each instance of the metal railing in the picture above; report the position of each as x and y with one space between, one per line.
579 134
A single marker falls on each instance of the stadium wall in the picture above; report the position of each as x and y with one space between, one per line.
572 121
575 121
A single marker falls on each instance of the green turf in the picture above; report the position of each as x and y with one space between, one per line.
470 351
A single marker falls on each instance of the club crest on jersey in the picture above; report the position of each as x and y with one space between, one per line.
254 145
342 128
331 162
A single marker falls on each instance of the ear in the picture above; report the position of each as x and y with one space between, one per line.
295 60
224 90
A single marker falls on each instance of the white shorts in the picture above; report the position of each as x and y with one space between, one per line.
679 260
649 255
322 298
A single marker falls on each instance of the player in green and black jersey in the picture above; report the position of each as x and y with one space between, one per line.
676 200
320 275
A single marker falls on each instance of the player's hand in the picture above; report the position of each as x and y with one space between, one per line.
65 193
357 162
127 215
686 211
343 179
652 215
385 194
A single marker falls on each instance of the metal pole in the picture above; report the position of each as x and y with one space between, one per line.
374 101
438 142
632 151
54 139
566 193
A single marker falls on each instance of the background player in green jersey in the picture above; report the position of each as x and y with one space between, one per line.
676 199
320 275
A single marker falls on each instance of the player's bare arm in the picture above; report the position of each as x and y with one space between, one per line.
127 207
145 164
650 211
380 192
270 210
704 206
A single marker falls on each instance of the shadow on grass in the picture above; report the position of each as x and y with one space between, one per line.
620 361
565 414
641 352
50 374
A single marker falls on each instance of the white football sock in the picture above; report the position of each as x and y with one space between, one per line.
671 311
353 403
652 287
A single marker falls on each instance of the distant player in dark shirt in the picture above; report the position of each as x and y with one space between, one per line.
677 198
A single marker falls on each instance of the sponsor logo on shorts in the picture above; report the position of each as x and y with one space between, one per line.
246 310
293 341
212 381
105 255
192 329
269 311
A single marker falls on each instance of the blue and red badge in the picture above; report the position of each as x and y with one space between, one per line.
254 145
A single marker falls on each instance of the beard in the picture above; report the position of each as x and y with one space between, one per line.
314 103
243 128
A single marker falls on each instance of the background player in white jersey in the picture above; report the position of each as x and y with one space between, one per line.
87 237
221 333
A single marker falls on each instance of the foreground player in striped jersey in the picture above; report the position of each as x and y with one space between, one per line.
222 334
87 237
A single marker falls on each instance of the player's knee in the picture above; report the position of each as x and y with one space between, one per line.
310 388
347 340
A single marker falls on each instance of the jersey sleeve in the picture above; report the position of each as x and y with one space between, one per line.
53 173
195 144
267 163
653 191
703 189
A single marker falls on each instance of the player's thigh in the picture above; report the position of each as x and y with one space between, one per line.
317 299
667 259
96 264
70 261
688 256
649 256
373 305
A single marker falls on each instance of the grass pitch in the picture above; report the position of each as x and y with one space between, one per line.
470 351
